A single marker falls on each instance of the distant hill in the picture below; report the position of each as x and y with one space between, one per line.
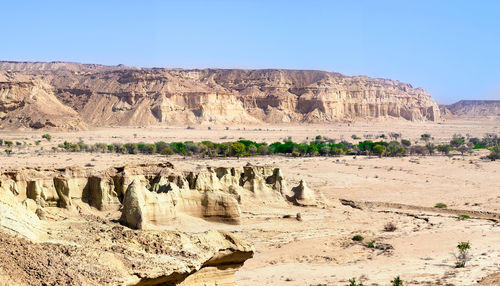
472 108
76 96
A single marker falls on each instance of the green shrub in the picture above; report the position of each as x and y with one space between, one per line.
463 216
440 206
463 254
47 136
397 281
352 282
167 151
379 150
426 137
406 143
371 244
8 143
358 238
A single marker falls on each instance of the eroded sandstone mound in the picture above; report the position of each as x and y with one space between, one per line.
104 95
59 226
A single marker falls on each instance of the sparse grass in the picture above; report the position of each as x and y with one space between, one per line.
358 238
440 206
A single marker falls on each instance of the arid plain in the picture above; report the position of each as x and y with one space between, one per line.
356 195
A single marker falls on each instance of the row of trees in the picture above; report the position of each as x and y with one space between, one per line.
318 147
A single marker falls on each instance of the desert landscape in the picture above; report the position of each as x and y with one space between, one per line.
83 201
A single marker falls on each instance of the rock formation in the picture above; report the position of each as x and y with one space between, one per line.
302 195
63 220
103 95
471 108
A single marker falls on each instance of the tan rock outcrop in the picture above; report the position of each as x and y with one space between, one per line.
302 195
153 194
103 96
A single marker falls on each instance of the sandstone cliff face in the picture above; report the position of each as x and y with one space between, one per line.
149 195
103 95
472 108
64 218
60 215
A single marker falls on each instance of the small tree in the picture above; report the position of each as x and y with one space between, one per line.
463 254
8 151
426 137
47 136
379 150
445 149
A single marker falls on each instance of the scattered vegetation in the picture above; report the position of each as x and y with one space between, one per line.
371 244
463 254
352 282
440 206
358 238
318 146
463 216
397 281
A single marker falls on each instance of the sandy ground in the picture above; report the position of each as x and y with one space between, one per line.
319 249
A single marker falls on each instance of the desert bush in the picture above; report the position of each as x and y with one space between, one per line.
8 152
167 151
390 227
457 141
440 206
8 143
18 143
406 143
426 137
47 136
397 281
494 153
463 216
371 244
352 282
463 254
379 150
445 149
358 237
355 137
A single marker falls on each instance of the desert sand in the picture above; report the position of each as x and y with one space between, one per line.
357 195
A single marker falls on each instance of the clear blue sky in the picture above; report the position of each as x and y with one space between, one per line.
450 48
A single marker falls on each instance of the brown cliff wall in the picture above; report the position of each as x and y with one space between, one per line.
104 95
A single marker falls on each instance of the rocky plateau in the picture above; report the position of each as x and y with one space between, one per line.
78 96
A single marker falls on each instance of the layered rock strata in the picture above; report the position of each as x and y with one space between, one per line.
105 95
57 225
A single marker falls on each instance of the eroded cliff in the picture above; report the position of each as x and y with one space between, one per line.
104 95
78 225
